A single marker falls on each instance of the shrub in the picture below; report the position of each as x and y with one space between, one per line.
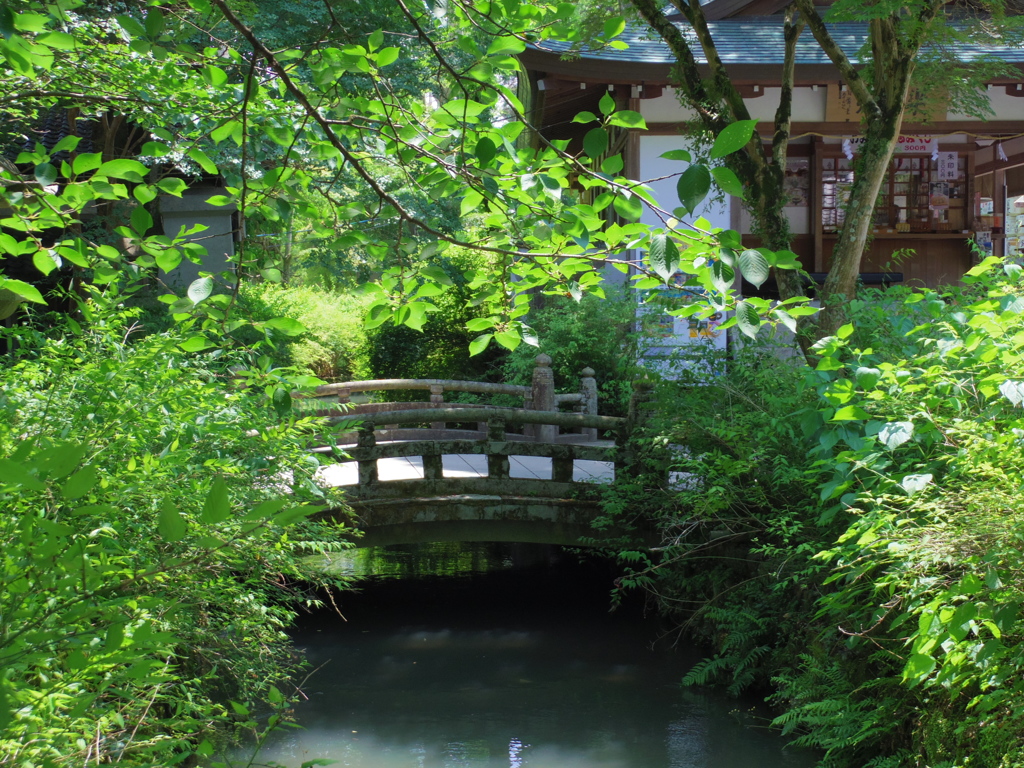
152 534
334 346
594 332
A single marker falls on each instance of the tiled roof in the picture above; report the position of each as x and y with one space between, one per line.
758 40
48 128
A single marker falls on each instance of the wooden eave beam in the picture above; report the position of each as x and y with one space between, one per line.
615 72
723 9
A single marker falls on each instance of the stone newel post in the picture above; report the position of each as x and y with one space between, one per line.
588 388
543 398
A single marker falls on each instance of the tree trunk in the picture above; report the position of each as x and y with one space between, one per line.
869 174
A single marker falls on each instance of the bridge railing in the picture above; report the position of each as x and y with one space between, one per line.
495 445
539 396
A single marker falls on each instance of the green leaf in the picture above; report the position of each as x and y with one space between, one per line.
142 221
23 289
918 667
388 56
747 319
202 160
728 181
485 151
754 267
89 161
375 40
693 186
286 325
851 413
200 289
896 433
60 41
80 483
479 344
629 208
628 119
282 401
12 473
481 323
172 186
144 194
214 76
130 170
44 262
508 339
915 483
867 378
217 506
606 104
168 259
585 117
733 137
154 22
664 256
614 27
612 165
6 30
594 143
45 173
505 45
196 344
171 525
677 154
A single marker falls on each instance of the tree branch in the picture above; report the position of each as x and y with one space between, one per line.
856 84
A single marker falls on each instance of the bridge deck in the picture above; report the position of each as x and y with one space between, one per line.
468 465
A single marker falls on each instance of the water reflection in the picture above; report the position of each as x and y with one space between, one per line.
508 670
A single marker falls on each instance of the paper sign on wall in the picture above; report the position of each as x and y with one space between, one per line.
949 166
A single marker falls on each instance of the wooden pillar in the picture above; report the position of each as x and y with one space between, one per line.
543 395
588 388
497 463
436 399
367 467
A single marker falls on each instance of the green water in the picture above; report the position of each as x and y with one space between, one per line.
511 660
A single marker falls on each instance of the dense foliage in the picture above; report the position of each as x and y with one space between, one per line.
852 530
154 520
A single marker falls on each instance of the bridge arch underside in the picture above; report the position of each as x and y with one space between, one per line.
469 517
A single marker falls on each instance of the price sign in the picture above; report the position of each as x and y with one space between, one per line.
948 166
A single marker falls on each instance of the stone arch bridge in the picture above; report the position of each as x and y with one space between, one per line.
444 471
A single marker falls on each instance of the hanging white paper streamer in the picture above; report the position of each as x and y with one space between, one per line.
848 149
935 153
1000 152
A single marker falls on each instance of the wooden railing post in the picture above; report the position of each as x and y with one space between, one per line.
436 397
497 463
543 398
367 467
588 388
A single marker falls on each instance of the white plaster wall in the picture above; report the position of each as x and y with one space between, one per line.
1005 107
808 104
799 220
665 109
